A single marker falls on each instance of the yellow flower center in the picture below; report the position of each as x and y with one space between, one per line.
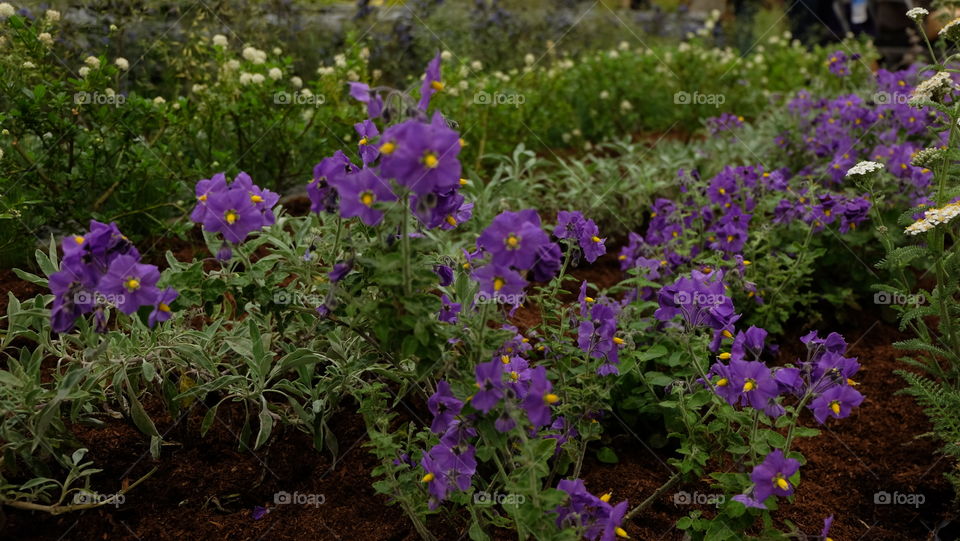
388 148
551 398
464 182
722 382
781 483
202 197
427 478
505 359
513 242
588 299
364 141
621 532
230 216
163 307
498 284
133 284
256 199
431 160
722 191
514 375
595 238
451 220
436 85
606 497
749 385
463 142
367 198
835 407
617 340
725 355
727 333
78 239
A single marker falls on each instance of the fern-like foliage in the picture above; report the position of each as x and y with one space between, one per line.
941 403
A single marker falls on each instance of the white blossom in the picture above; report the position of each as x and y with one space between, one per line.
864 168
84 71
6 10
52 15
45 38
296 82
220 40
275 73
159 100
122 63
917 13
92 61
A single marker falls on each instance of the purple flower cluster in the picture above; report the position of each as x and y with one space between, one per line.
724 122
234 210
419 154
102 267
839 63
597 331
574 226
594 516
701 300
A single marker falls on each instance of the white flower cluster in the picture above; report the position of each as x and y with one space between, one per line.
864 168
933 218
122 63
917 13
6 10
52 15
255 78
934 88
45 38
951 30
254 55
220 40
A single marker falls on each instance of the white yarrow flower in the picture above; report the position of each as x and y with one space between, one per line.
28 65
476 65
220 40
446 56
296 82
275 74
529 59
257 78
159 100
6 10
122 63
84 71
92 61
45 38
245 78
864 168
917 13
52 15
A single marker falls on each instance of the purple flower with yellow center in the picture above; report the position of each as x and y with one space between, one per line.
203 189
512 239
431 83
132 283
701 301
323 196
590 242
498 282
570 225
444 407
539 398
593 516
232 214
836 402
435 210
772 476
359 194
262 199
161 310
367 131
422 156
463 213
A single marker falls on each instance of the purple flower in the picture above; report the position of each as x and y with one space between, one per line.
203 189
490 385
825 532
448 309
422 156
323 196
367 130
161 310
444 407
259 512
836 402
772 476
232 214
132 283
445 273
340 270
513 238
360 192
499 283
548 262
361 92
700 300
431 83
539 398
593 516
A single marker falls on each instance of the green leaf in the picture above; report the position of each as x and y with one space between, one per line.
607 456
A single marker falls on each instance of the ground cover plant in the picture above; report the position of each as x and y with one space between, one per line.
485 319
